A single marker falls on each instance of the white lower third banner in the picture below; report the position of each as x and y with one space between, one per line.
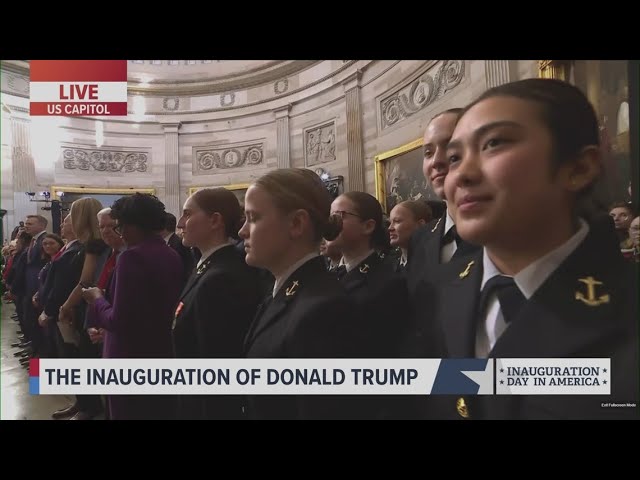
268 376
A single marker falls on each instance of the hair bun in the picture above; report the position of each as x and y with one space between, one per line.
332 228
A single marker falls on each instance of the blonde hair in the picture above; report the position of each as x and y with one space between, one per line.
84 219
299 188
419 210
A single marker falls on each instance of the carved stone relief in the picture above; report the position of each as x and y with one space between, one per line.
171 103
320 144
208 160
227 99
17 84
281 86
104 160
412 98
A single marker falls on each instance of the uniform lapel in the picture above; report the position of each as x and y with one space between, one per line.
358 275
267 316
458 307
563 318
434 244
199 272
270 314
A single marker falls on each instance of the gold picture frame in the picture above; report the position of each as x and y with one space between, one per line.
558 69
382 161
104 191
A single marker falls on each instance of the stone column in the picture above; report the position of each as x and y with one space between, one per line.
355 160
24 172
497 72
283 134
171 169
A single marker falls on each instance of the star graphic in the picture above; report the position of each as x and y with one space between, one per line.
604 381
480 377
501 382
604 370
502 370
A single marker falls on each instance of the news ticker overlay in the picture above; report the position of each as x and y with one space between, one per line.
78 87
550 376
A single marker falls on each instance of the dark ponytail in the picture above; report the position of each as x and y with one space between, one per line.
368 208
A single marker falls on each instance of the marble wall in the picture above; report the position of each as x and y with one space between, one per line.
336 115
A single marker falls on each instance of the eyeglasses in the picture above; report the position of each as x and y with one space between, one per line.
342 213
118 229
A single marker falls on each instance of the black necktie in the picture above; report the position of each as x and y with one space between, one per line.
462 248
509 295
339 271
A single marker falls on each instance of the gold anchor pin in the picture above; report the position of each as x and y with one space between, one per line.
591 299
202 268
364 268
292 289
467 270
436 225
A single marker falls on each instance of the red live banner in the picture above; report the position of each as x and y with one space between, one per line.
78 87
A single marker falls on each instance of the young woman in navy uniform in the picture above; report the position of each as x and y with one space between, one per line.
548 284
379 292
405 218
219 299
308 314
436 243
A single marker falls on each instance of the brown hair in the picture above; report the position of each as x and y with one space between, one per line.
41 220
57 238
368 208
624 205
419 210
299 188
224 202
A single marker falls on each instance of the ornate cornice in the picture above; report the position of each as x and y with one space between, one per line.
219 85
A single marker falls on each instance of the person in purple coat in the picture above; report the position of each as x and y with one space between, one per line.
137 308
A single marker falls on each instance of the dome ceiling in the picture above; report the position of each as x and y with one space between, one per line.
196 77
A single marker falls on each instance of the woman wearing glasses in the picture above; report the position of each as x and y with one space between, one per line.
139 304
379 292
307 315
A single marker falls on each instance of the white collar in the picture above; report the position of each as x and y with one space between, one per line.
332 264
207 253
448 224
166 239
530 278
356 261
281 280
403 259
38 235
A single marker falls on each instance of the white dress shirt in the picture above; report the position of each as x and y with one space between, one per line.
450 248
528 280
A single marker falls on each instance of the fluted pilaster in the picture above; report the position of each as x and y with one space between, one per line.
355 160
171 169
282 129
